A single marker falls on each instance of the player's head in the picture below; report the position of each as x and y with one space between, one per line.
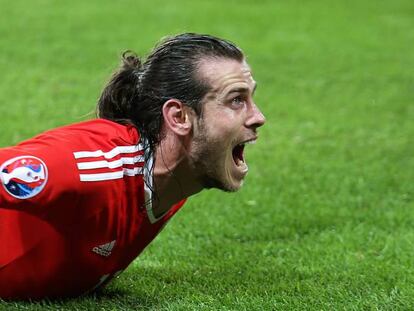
137 91
203 82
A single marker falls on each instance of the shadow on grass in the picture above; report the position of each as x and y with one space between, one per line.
108 298
144 288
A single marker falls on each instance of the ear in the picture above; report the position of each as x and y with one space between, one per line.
177 117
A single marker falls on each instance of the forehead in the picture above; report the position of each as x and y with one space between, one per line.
222 73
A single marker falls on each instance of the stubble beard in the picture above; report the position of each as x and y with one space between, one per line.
208 164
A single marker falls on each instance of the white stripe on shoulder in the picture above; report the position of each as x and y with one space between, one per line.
112 175
133 171
107 155
111 164
101 176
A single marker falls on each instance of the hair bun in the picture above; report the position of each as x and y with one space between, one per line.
131 60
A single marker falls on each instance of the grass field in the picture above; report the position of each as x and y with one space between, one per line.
326 218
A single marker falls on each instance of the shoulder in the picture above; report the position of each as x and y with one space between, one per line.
97 150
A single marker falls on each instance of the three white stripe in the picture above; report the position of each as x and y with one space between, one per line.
110 164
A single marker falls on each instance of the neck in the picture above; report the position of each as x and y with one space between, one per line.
174 179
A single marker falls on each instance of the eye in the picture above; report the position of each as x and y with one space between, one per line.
238 100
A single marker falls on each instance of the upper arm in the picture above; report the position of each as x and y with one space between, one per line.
36 174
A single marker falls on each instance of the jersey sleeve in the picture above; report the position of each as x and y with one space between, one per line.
38 175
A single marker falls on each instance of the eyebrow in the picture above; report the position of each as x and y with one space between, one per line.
243 90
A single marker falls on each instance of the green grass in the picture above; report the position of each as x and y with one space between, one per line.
326 218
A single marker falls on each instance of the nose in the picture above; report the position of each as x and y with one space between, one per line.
256 118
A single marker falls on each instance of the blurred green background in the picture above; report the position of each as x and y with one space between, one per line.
325 220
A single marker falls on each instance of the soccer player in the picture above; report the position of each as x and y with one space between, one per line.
79 203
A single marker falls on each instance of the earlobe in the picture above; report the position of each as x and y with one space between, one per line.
176 117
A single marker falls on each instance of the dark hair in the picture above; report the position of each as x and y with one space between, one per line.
137 91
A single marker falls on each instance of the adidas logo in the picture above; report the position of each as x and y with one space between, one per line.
104 249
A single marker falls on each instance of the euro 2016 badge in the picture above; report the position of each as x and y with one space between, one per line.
23 177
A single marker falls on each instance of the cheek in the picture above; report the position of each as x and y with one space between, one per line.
222 126
222 129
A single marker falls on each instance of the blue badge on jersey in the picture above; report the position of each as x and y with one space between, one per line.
23 177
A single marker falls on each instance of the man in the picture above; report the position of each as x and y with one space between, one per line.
79 203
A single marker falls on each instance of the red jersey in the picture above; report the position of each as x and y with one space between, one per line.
75 209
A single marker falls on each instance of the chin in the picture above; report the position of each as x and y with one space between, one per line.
224 185
231 188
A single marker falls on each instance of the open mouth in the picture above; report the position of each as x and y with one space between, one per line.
238 154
